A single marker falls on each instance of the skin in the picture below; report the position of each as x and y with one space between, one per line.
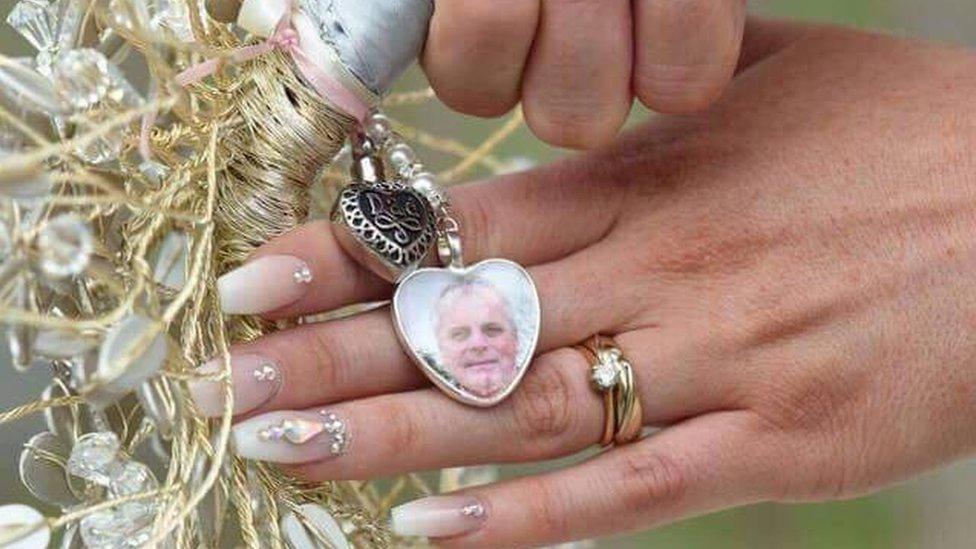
477 340
790 275
576 65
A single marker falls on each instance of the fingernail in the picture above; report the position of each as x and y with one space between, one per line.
265 284
291 437
255 379
438 516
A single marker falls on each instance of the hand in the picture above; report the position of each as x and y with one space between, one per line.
795 290
575 66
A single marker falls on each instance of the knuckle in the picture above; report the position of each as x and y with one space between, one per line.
480 101
542 407
648 477
476 213
803 402
572 119
326 354
403 430
679 89
548 508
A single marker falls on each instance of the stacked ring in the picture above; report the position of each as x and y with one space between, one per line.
613 376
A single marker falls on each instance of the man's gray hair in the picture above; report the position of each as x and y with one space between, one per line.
517 317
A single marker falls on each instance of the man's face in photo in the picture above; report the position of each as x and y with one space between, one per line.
477 339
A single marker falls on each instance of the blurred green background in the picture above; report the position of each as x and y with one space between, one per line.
934 511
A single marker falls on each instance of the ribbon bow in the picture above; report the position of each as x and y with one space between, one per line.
288 40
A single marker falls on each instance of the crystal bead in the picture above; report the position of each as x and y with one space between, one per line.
173 17
36 21
95 457
20 337
64 246
82 78
133 478
29 89
121 527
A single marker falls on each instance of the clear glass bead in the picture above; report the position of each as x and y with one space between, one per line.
95 457
173 17
82 78
132 478
36 21
64 246
120 527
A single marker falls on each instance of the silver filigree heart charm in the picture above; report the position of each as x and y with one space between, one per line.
472 330
387 227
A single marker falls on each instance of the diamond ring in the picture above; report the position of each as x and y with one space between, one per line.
613 376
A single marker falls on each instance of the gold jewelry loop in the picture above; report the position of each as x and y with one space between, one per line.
613 376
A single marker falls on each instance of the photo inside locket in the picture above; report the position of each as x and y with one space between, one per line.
473 331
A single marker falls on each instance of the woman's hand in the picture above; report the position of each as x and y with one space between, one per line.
791 275
576 66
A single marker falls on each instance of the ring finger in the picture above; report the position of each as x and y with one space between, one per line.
327 362
554 412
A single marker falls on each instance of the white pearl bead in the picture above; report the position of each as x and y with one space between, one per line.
378 128
401 156
424 182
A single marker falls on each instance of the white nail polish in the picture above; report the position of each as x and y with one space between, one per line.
291 437
263 285
438 516
256 380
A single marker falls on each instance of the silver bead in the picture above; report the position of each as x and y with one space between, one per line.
401 156
378 128
424 183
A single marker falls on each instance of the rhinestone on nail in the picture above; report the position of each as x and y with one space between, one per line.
303 275
475 510
300 431
266 372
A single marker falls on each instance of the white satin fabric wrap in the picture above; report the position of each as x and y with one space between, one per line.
376 40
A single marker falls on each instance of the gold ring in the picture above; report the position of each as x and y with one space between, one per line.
613 376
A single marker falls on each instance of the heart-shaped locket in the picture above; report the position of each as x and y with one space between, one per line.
388 227
471 330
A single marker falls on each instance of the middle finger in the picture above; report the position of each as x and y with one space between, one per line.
361 356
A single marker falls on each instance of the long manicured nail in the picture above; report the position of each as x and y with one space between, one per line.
265 284
291 437
438 516
256 380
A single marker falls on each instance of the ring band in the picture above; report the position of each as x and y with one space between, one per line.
613 376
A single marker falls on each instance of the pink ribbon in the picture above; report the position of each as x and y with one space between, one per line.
286 39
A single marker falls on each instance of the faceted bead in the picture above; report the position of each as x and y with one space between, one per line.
64 246
82 78
121 527
94 457
132 478
36 21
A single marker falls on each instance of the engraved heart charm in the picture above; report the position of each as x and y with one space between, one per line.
471 330
388 227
